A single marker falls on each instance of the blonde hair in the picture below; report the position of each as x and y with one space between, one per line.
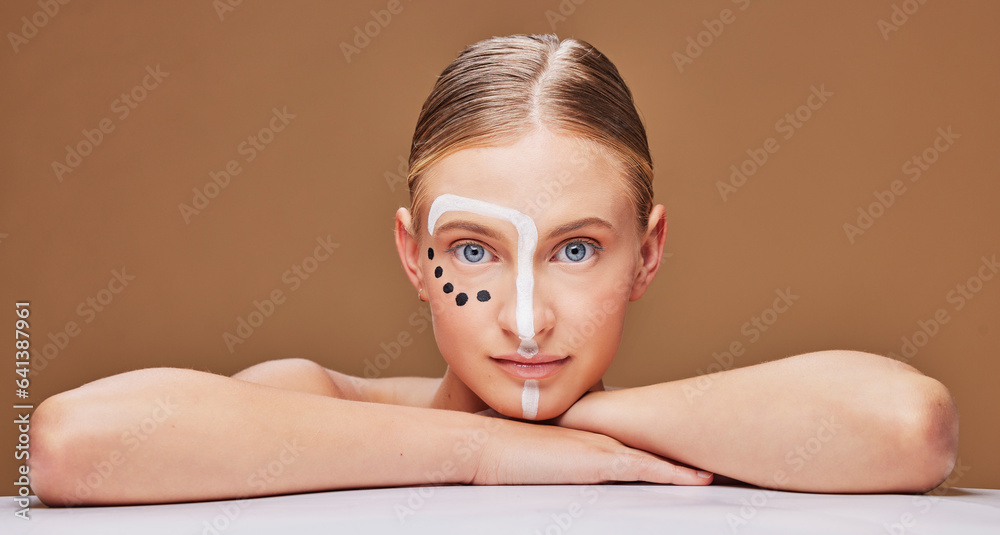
500 89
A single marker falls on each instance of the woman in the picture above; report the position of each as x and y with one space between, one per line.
530 228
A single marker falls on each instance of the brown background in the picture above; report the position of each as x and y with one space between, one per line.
325 174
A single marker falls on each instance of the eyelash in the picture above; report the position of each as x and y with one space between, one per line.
597 247
592 243
463 243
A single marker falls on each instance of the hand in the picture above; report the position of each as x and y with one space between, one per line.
584 413
520 453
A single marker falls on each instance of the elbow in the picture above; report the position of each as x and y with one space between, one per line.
76 437
49 463
932 431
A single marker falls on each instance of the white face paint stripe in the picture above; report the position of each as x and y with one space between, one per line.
527 240
529 400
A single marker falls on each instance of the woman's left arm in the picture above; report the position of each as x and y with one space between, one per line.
830 421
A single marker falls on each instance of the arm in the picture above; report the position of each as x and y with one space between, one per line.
831 421
170 435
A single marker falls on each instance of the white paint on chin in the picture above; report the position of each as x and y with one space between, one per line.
527 240
529 400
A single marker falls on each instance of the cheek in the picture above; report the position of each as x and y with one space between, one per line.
461 293
592 320
461 305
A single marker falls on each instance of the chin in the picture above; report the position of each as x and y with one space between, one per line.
547 410
549 414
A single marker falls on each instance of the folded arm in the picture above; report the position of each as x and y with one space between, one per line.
170 435
830 421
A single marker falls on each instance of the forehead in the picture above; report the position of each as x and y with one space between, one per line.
551 178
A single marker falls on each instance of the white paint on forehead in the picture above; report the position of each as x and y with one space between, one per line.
527 240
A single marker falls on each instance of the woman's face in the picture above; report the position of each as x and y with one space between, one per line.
589 261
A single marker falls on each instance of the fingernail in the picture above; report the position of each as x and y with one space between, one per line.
705 475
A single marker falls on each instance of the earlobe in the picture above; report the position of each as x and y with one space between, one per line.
408 247
650 251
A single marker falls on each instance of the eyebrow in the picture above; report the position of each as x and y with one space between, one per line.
578 224
493 234
471 227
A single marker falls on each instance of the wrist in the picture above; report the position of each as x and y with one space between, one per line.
471 439
595 411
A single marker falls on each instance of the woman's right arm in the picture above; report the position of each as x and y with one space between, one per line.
169 435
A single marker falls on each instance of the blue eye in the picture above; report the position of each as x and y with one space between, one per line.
576 251
473 253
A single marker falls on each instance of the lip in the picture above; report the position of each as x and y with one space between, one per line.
538 367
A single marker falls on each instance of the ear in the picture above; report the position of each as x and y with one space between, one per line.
650 251
409 249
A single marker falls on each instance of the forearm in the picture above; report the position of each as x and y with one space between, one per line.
168 435
822 422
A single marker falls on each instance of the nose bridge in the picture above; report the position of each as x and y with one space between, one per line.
541 303
538 301
527 240
508 299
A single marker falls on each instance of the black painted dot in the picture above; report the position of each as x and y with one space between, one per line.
461 299
430 254
483 296
448 288
438 272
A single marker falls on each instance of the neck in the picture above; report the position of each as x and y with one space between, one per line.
453 394
598 387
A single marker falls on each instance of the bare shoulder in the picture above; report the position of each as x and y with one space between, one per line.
303 375
408 391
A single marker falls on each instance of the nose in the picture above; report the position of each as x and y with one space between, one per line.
542 314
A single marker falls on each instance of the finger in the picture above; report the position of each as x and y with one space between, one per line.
653 469
683 475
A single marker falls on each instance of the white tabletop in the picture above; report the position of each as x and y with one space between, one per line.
545 510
